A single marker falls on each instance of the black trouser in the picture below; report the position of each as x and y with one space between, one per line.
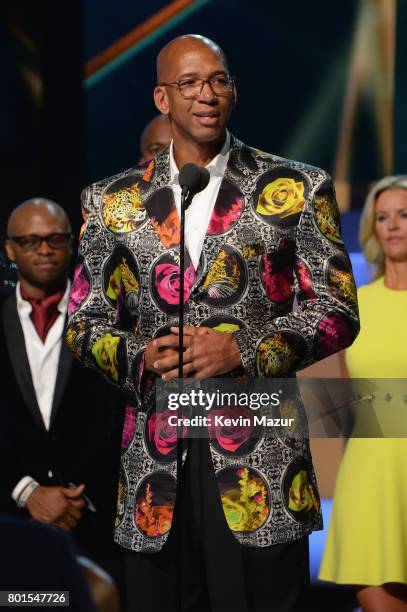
203 568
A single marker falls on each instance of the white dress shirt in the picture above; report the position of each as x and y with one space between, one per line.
199 213
43 359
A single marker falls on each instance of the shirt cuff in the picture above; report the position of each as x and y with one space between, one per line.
23 490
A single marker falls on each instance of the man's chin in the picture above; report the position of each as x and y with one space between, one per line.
48 280
46 276
208 134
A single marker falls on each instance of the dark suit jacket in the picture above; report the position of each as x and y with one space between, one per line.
82 444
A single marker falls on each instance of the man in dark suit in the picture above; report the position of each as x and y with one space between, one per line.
60 428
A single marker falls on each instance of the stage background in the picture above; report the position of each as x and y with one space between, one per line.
316 83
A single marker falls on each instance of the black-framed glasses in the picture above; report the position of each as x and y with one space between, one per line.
221 85
32 242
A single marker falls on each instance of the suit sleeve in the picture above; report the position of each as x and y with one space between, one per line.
326 319
10 456
95 333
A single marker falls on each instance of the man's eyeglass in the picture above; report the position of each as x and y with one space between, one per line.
221 85
33 242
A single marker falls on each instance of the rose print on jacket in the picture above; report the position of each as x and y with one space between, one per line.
129 426
335 332
168 282
165 281
277 273
280 196
304 278
225 214
80 288
161 436
231 428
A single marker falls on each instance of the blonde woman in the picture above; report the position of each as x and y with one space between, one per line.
367 536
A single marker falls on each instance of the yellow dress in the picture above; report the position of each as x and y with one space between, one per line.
367 535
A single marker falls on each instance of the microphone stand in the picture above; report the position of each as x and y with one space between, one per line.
192 180
185 201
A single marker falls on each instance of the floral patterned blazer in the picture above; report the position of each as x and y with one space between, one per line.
274 235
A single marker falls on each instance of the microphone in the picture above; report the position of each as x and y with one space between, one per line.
192 179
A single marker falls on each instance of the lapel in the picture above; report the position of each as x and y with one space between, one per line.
64 369
229 205
18 357
161 208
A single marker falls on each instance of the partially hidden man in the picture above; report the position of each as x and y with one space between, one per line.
264 230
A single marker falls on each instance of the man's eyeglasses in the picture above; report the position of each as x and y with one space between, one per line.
221 85
33 242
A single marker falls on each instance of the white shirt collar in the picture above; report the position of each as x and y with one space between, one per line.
216 166
24 306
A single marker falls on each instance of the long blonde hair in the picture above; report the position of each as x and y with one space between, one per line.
372 249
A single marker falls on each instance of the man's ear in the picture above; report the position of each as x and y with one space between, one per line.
161 99
9 250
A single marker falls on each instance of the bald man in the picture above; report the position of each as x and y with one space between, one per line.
233 534
51 435
155 137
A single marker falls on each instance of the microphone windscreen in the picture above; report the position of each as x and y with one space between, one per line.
205 176
193 178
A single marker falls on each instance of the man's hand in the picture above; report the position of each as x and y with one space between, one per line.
57 505
207 353
165 347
